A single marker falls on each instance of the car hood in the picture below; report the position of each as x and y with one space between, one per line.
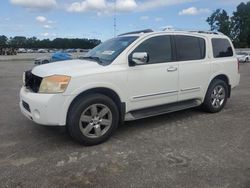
69 68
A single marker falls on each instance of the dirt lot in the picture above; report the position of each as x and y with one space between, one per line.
184 149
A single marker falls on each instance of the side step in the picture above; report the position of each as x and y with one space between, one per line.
163 109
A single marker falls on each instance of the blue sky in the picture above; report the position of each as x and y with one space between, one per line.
94 18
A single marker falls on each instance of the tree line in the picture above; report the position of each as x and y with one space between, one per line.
237 26
58 43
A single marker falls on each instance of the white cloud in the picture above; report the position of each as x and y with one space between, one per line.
144 18
47 26
35 4
126 5
41 19
107 6
45 34
88 5
193 11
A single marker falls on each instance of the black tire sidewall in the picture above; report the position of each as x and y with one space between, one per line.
76 110
207 105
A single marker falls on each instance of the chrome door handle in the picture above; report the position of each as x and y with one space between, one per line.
172 69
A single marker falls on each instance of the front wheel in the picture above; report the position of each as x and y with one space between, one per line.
216 97
93 119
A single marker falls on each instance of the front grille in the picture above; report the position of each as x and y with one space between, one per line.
26 106
32 82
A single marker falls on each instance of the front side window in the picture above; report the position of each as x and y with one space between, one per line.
108 51
222 48
190 48
158 48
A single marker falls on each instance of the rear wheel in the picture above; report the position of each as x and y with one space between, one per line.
93 119
216 97
247 60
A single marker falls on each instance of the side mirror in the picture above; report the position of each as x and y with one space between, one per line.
139 58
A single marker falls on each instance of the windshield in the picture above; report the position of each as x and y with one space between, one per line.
108 51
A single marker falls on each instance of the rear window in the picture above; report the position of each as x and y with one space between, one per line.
190 48
222 48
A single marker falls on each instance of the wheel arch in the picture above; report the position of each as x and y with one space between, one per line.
225 79
107 92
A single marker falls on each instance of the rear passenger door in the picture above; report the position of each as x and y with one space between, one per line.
194 68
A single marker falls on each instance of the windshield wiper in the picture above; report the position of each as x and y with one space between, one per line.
97 59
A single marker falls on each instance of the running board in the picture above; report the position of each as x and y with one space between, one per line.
163 109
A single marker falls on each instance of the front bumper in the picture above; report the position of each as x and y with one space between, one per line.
44 109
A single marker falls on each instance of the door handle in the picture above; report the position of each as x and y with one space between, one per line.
172 69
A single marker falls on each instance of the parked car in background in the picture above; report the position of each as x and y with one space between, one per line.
42 60
71 51
21 50
58 56
84 50
243 56
42 51
30 51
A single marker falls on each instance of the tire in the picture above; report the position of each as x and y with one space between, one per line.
92 119
216 97
247 60
45 62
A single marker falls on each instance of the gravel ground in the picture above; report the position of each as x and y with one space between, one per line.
184 149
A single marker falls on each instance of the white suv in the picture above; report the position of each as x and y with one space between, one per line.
133 76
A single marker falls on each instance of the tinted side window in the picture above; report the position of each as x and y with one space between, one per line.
158 48
222 48
190 48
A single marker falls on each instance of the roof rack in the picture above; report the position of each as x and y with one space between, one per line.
138 32
194 31
208 32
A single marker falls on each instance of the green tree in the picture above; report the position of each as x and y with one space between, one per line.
220 21
3 41
241 25
18 42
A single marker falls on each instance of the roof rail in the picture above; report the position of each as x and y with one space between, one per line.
194 31
208 32
138 32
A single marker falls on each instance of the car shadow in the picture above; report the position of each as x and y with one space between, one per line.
127 129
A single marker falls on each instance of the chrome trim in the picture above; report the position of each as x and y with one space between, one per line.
191 89
154 94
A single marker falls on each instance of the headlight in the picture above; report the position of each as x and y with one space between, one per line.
54 84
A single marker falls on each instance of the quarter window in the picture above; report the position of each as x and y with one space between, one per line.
190 48
222 48
158 48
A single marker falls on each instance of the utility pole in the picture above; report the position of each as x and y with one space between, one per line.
115 25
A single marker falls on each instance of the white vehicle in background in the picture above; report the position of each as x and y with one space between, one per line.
21 50
30 51
243 56
133 76
42 51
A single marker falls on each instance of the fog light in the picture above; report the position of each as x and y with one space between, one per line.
37 114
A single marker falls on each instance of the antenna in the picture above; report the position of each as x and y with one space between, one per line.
115 25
